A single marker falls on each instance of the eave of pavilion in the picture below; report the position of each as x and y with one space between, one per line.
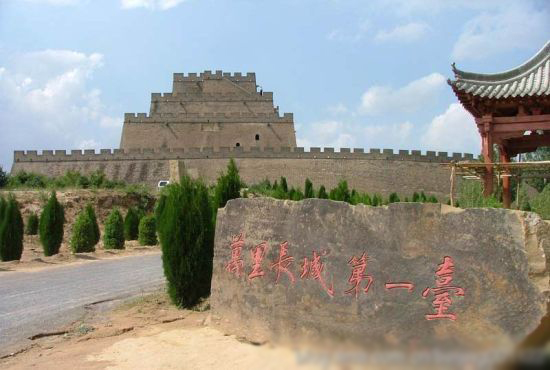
500 94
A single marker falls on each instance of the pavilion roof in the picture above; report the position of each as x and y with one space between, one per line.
529 79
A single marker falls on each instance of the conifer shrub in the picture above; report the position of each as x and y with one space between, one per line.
2 208
341 192
131 224
228 185
113 235
186 232
394 198
83 234
31 228
308 189
322 194
91 214
147 230
416 197
432 199
284 185
11 232
51 225
423 197
367 200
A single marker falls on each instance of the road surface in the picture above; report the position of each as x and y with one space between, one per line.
41 301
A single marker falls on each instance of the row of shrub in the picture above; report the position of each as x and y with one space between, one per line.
85 233
71 179
341 192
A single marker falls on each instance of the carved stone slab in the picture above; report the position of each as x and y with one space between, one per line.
408 275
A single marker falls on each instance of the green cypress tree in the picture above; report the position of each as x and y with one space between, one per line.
322 194
367 199
186 232
228 185
51 224
11 232
91 214
308 189
394 198
113 235
31 228
83 234
2 208
131 224
284 185
147 231
415 197
423 197
432 199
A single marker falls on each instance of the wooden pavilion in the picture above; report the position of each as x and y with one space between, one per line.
511 110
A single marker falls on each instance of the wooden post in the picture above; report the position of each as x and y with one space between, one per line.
452 184
506 194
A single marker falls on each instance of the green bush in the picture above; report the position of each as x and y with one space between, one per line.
322 194
186 232
113 235
541 203
51 226
308 189
284 185
4 178
147 231
341 192
131 224
394 198
471 196
432 199
83 234
3 205
416 197
31 227
91 215
228 185
11 232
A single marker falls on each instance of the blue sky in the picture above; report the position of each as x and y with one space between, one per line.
368 74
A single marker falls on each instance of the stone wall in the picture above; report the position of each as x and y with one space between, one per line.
376 171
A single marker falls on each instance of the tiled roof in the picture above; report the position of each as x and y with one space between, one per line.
529 79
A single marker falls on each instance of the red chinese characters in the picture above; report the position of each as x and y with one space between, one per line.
403 285
314 269
359 266
283 262
235 264
257 255
443 290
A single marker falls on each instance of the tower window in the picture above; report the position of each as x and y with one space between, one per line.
257 137
238 144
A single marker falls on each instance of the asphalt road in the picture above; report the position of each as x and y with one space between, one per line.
41 301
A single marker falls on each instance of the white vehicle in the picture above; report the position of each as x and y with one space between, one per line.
163 183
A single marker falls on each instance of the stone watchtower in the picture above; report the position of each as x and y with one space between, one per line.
210 110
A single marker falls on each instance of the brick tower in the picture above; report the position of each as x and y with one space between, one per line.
210 110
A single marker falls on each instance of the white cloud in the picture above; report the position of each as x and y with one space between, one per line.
55 2
88 144
412 97
404 33
351 34
454 130
338 134
510 27
337 109
46 102
150 4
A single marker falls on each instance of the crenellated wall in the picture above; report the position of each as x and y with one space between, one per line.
383 171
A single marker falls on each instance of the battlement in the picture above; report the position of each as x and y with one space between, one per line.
207 117
217 97
238 152
218 75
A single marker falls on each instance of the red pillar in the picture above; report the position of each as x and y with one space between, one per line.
487 150
506 194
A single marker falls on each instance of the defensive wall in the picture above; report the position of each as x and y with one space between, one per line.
382 171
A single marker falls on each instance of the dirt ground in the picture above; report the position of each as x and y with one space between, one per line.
147 333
